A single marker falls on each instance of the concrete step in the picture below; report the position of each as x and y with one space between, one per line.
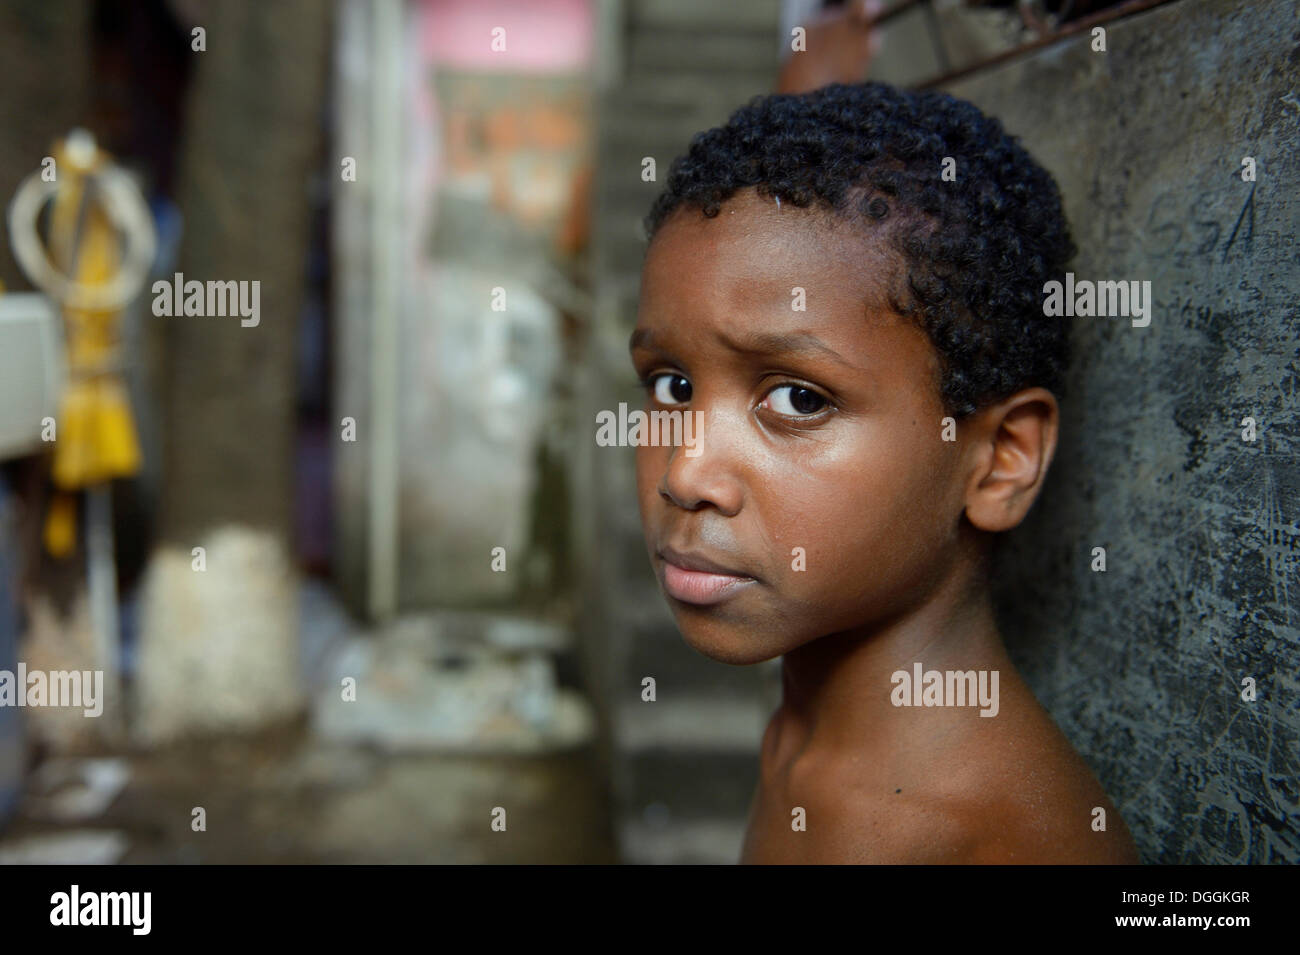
687 784
657 649
714 841
691 723
667 112
750 16
703 50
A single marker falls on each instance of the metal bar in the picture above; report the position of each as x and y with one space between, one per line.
102 585
1078 26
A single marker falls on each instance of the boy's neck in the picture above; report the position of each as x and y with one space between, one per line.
836 690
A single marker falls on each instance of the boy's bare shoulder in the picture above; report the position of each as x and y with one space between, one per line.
1017 795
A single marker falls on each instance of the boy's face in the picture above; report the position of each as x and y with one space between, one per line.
819 430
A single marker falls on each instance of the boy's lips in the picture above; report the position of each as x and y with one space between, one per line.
695 578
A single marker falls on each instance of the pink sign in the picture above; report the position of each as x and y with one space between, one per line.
538 36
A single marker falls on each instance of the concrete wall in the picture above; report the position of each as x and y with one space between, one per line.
491 145
38 103
1142 665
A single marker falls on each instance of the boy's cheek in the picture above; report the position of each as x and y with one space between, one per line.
847 546
649 469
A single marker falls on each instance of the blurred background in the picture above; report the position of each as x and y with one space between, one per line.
356 572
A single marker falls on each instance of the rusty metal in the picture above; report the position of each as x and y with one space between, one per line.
1068 30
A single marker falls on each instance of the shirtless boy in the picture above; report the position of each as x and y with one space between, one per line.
847 286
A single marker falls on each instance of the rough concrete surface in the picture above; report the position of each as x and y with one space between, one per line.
285 797
1143 665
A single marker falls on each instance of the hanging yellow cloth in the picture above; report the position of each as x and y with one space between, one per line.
95 438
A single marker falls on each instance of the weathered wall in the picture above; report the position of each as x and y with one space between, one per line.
492 148
38 102
1142 665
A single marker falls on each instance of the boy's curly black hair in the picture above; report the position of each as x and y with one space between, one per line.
976 251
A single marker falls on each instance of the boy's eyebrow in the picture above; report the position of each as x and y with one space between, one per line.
759 343
640 338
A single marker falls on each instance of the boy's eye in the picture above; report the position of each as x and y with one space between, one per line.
670 389
794 401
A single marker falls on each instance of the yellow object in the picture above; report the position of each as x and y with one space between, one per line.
61 525
95 436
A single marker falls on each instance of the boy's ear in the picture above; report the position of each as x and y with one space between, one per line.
1010 445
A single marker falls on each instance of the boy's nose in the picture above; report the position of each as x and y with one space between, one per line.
709 477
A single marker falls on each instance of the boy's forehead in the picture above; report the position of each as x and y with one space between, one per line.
754 254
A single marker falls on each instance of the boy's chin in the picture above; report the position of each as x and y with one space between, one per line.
728 644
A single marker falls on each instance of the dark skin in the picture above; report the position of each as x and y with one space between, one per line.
829 440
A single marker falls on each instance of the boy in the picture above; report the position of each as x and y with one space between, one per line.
845 287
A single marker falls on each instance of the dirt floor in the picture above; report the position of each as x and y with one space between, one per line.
285 797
